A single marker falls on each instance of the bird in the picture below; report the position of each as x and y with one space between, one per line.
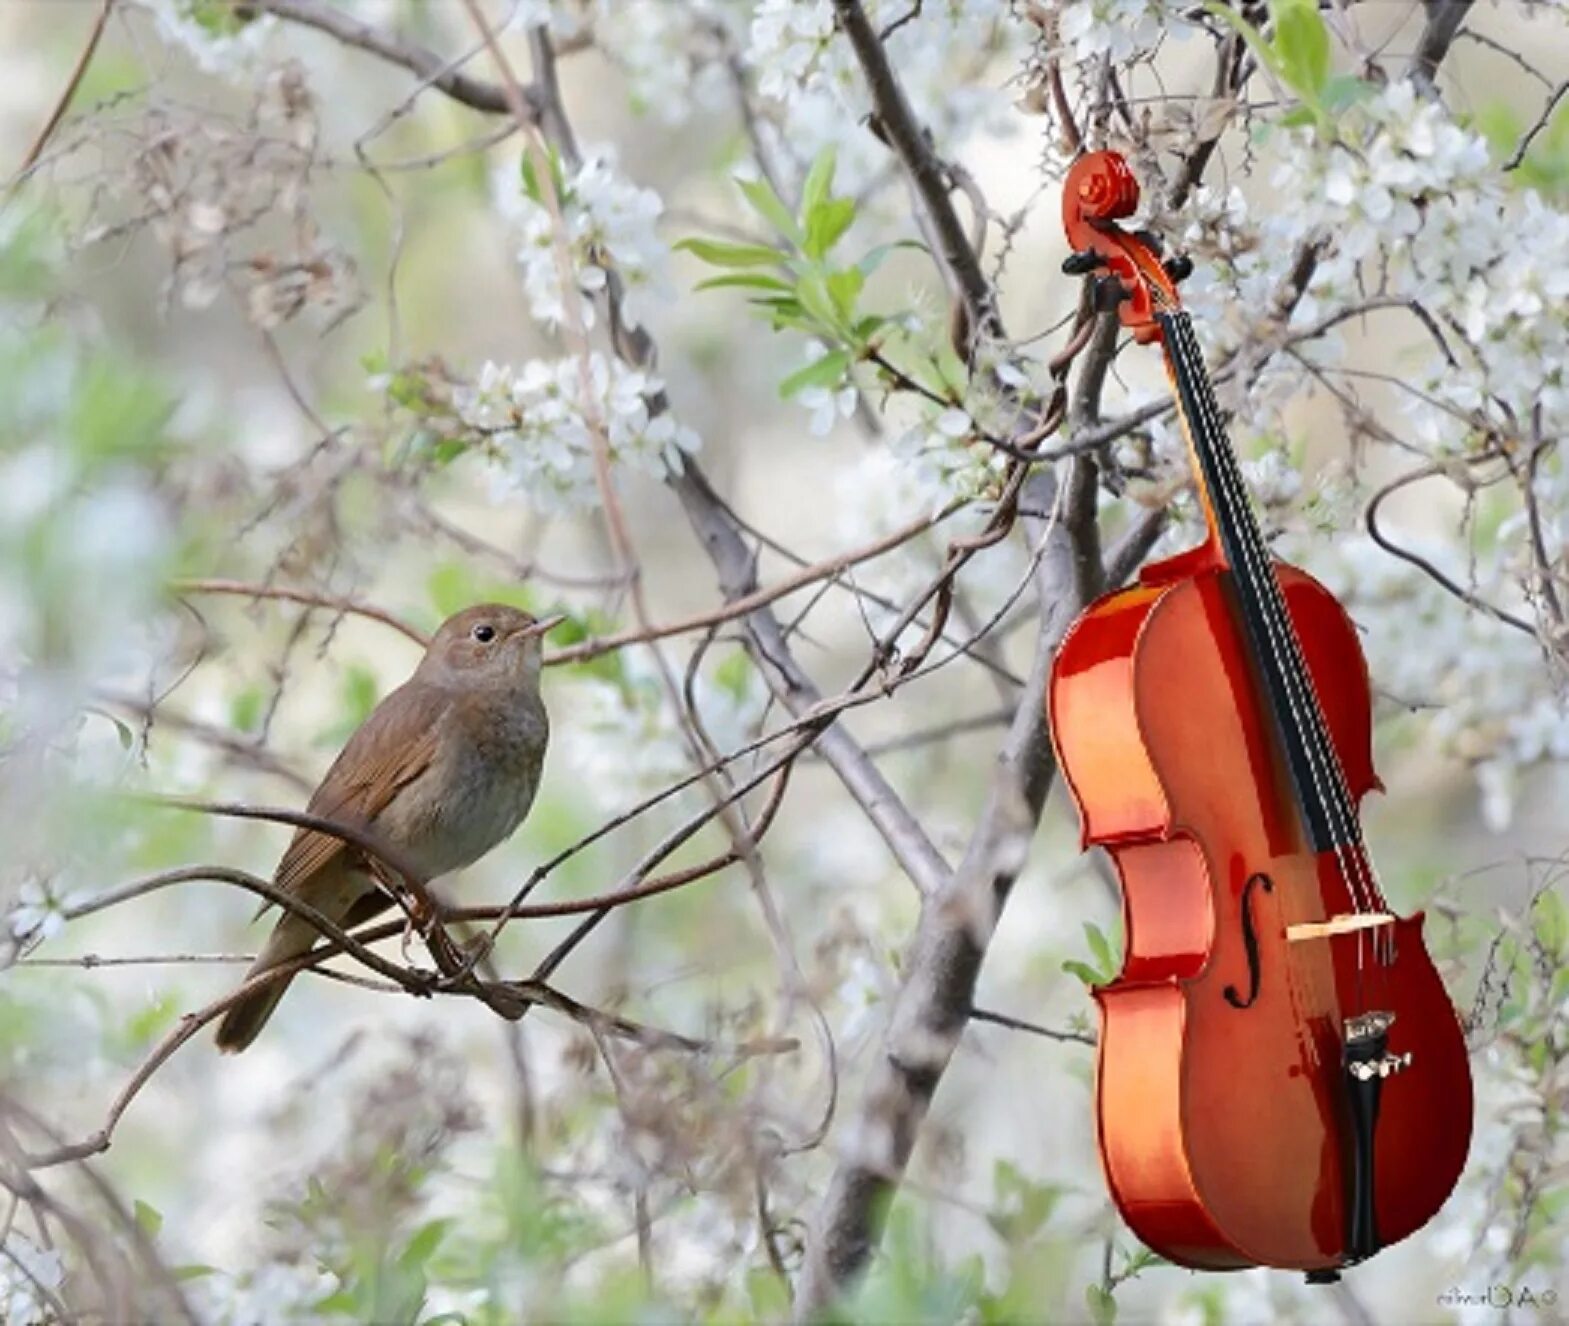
444 769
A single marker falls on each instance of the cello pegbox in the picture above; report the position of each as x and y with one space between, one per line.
1100 191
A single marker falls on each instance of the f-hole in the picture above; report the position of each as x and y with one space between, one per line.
1249 942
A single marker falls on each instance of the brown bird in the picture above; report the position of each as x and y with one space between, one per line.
443 770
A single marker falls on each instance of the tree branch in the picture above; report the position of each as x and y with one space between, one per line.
917 856
1444 18
956 924
475 93
912 144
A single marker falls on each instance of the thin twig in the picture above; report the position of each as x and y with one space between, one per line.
418 60
310 598
78 72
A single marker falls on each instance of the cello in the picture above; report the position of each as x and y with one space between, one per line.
1281 1078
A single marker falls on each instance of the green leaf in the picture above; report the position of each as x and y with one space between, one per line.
1551 922
734 674
874 258
828 371
869 326
826 224
844 288
812 291
769 1298
1302 42
1099 947
1023 1205
1343 90
1102 1306
745 281
148 1218
531 180
765 202
1085 973
819 182
719 254
122 732
218 18
426 1239
245 710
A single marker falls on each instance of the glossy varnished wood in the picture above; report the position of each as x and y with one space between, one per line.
1223 1129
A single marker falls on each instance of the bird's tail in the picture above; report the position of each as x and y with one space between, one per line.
291 938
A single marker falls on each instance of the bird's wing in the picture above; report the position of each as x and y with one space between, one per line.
392 748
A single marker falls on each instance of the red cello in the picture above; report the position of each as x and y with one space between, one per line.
1282 1080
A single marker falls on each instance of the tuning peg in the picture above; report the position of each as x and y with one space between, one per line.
1081 264
1178 268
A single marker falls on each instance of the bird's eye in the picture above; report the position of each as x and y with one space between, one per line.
484 634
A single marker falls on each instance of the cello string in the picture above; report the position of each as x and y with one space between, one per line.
1323 771
1364 878
1299 696
1208 434
1304 710
1318 729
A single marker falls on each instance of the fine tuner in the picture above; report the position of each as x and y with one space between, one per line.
1388 1066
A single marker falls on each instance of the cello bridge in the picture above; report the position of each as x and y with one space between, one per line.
1344 924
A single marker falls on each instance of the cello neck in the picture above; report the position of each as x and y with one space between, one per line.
1233 527
1327 813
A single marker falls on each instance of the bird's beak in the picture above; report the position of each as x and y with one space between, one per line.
544 626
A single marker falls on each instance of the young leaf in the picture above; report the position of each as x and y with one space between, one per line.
826 224
1302 42
816 300
1085 973
148 1218
1099 947
844 288
819 182
873 258
718 254
1102 1306
745 281
765 202
824 372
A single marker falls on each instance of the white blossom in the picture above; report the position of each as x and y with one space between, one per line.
805 66
828 404
1119 29
607 219
24 1267
534 422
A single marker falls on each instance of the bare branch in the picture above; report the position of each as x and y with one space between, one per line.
1444 18
903 833
311 598
930 179
955 927
1542 121
1033 1028
419 60
74 81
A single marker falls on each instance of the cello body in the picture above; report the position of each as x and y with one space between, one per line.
1282 1080
1224 1136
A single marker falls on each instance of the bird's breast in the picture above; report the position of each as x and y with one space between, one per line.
477 791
